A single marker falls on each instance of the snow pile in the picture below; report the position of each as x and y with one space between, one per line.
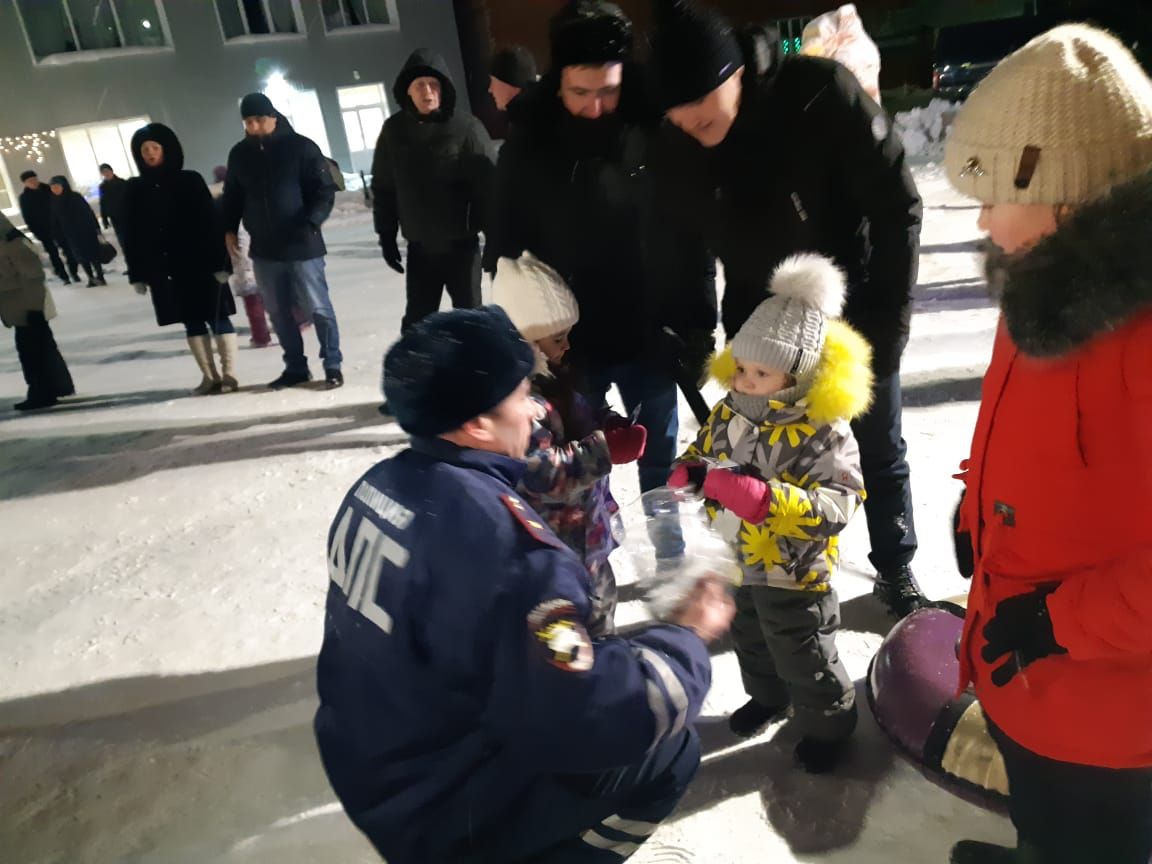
924 130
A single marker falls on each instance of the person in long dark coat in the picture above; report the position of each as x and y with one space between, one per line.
76 228
36 208
174 246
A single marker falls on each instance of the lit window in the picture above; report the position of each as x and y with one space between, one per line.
87 147
242 18
339 14
7 198
56 28
364 110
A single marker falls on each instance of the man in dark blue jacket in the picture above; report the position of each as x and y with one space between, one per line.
466 715
281 185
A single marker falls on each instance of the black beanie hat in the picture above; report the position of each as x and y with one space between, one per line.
514 66
257 105
695 51
590 33
453 367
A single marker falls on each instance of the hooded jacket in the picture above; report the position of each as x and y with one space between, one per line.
282 187
811 164
1059 486
173 240
807 455
74 224
577 194
432 174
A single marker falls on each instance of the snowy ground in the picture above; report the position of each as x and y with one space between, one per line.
164 579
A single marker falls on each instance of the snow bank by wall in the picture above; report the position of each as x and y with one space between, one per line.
925 130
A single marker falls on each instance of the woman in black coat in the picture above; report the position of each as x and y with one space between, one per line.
76 229
174 246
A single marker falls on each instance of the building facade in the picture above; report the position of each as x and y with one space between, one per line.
82 75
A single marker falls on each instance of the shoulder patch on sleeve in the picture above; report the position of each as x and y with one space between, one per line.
564 640
531 522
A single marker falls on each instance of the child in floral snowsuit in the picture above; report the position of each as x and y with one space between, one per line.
780 471
573 447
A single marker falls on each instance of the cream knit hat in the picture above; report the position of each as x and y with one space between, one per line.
536 298
1060 121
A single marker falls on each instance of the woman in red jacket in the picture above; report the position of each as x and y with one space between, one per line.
1057 144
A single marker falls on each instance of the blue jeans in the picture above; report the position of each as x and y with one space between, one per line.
284 284
655 393
888 507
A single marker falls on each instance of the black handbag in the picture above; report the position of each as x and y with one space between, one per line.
107 252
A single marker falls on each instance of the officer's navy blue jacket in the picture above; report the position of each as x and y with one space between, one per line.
456 670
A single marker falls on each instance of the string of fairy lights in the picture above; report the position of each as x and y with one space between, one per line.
33 145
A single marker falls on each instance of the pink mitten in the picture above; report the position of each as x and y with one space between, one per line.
748 497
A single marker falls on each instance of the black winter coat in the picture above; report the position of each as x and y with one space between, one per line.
74 225
36 208
173 240
578 196
811 165
112 193
282 187
431 175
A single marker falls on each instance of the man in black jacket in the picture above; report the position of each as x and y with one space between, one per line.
432 178
112 191
36 208
573 189
281 185
771 157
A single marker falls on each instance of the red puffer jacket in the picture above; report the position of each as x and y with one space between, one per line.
1060 487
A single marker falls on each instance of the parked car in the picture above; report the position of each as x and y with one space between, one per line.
968 52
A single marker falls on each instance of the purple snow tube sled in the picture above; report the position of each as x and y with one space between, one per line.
912 692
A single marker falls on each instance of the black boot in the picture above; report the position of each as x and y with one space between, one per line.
899 591
747 720
385 409
34 403
290 379
975 852
820 757
333 378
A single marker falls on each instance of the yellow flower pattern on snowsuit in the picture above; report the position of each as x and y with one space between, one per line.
791 513
795 432
759 547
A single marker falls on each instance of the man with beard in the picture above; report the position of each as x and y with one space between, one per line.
771 156
279 182
573 190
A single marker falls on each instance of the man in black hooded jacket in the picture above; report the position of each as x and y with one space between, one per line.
432 177
766 157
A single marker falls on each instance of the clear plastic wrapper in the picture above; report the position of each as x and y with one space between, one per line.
680 549
840 35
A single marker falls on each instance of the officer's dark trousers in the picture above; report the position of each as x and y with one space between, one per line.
1077 814
429 272
589 819
888 506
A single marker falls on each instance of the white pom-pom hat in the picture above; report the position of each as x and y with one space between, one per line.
786 332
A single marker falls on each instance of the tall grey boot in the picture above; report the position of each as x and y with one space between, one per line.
226 345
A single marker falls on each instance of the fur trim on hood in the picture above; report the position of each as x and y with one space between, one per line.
842 388
1089 278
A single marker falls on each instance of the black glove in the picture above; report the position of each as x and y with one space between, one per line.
391 252
1022 629
965 558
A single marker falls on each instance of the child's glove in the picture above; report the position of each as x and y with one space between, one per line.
748 497
688 475
626 443
1021 628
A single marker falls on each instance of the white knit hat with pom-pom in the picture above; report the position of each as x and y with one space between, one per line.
535 296
786 332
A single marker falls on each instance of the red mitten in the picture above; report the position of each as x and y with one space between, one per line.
687 474
748 497
626 443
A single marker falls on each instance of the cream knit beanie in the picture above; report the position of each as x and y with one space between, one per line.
536 298
1061 121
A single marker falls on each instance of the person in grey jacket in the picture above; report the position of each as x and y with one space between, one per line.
26 306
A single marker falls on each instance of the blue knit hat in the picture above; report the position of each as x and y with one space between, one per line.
452 367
